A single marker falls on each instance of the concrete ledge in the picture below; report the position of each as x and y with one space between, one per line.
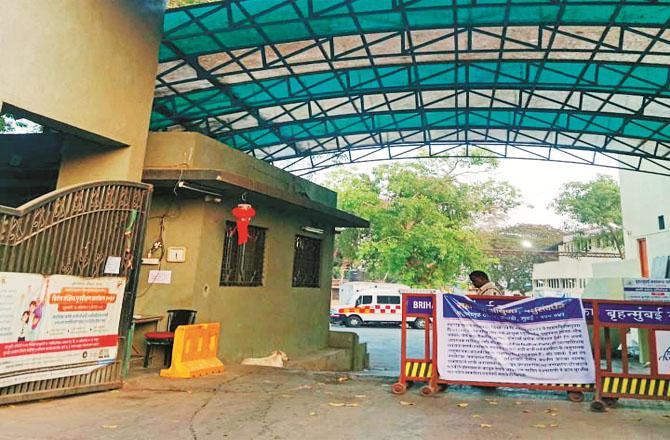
342 339
330 359
358 352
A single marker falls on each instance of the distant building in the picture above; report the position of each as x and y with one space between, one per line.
645 205
569 275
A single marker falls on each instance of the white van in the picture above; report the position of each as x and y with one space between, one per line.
349 291
373 306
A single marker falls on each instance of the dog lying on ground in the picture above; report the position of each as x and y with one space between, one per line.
276 359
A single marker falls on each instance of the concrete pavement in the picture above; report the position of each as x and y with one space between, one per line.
263 403
384 346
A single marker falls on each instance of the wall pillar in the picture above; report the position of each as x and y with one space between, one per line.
84 161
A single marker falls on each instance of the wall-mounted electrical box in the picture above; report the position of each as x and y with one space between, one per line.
176 254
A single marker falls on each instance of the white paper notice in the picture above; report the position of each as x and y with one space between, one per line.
663 351
160 276
113 265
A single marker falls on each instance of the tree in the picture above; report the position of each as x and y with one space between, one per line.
595 205
513 266
8 123
5 126
422 220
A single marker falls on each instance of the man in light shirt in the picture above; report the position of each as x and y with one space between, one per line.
484 286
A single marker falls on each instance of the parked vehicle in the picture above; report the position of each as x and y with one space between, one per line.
373 306
350 291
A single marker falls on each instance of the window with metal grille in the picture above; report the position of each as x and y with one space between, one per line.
306 262
242 265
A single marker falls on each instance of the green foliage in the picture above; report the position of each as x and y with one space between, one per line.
6 124
595 205
9 124
515 269
422 221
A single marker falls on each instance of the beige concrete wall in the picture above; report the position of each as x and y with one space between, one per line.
618 268
183 226
194 150
89 64
644 197
254 320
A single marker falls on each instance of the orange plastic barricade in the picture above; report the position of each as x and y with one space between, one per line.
194 351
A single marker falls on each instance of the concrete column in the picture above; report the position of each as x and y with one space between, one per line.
84 161
86 68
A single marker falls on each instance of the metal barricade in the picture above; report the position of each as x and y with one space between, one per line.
652 382
417 307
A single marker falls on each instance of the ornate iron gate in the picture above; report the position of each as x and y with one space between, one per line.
72 231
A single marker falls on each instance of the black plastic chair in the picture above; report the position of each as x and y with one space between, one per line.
175 318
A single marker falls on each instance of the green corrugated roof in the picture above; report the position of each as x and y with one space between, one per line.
305 79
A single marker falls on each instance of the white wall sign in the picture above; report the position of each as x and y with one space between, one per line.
113 265
663 351
160 277
646 289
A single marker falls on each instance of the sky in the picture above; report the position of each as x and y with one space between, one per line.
538 183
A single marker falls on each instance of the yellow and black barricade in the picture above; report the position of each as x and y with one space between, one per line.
614 382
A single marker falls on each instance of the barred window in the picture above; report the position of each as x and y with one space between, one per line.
306 262
569 283
242 265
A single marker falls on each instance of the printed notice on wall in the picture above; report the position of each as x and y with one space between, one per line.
57 326
160 277
113 265
646 289
537 340
663 351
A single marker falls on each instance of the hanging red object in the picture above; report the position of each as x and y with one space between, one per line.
243 214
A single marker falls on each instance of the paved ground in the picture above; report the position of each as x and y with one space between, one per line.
384 347
264 403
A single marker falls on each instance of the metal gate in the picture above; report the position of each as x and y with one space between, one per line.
72 231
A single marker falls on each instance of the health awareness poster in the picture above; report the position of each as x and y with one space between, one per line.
57 326
537 340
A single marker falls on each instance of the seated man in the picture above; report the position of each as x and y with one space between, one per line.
484 286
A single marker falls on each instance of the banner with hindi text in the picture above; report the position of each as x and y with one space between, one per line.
535 340
57 326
